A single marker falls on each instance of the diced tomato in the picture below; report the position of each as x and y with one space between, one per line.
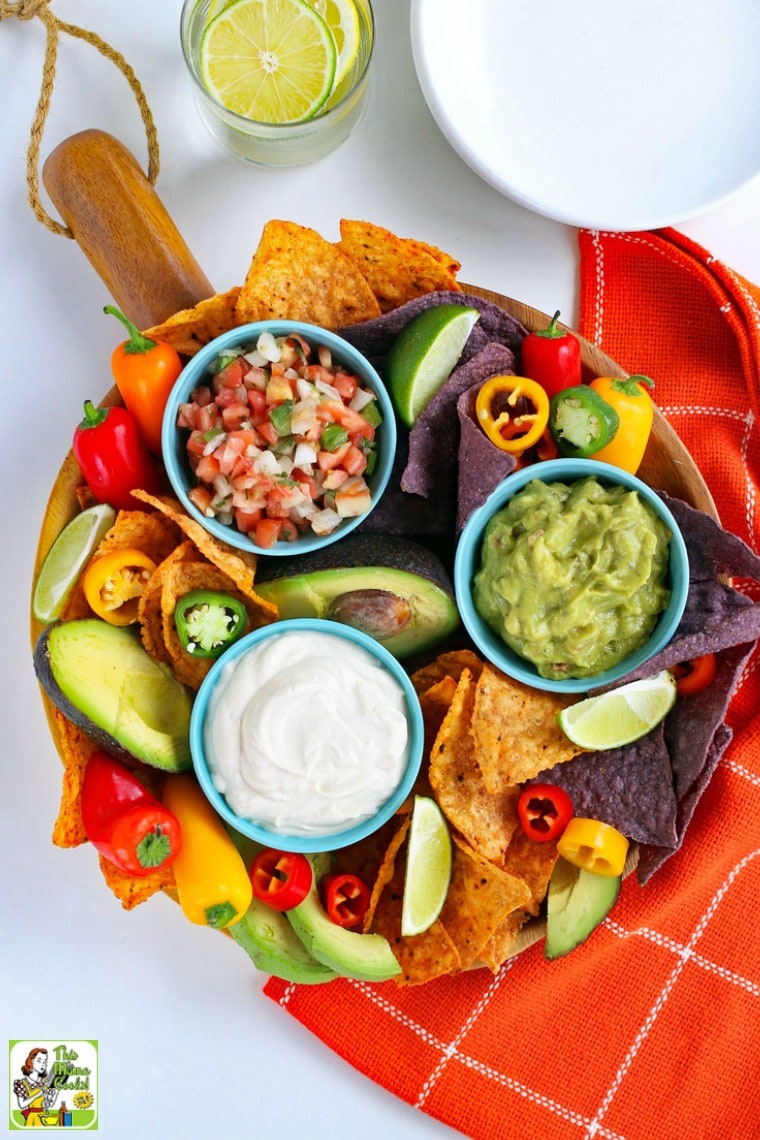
266 532
207 468
343 415
235 415
268 432
334 479
277 501
326 460
246 521
344 383
306 481
257 402
233 373
355 461
288 531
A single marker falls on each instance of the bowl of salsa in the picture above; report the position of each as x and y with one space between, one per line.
572 574
279 437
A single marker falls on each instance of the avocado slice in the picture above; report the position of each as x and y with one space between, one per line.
577 902
391 588
268 938
102 679
367 957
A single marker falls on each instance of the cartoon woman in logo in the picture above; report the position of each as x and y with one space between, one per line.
34 1092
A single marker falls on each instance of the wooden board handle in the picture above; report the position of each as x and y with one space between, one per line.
123 228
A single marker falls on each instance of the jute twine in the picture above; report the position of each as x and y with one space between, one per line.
28 10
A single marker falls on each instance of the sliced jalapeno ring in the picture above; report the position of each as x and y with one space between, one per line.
208 621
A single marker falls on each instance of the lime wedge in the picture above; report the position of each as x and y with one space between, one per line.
424 355
428 867
67 558
620 716
342 19
272 61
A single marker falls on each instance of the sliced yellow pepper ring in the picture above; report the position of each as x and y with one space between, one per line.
594 846
113 584
495 407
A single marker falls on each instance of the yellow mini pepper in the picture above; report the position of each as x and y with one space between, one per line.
631 400
213 884
113 584
499 409
594 846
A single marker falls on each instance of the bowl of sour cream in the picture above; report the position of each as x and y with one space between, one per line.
306 735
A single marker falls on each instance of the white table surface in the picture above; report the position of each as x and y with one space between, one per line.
188 1044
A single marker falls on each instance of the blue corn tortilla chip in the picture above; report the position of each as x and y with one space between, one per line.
374 337
630 788
434 439
482 465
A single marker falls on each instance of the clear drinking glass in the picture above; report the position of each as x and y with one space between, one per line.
289 144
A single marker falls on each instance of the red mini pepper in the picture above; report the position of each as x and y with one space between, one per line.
346 899
280 879
123 821
694 676
544 811
113 456
144 370
552 357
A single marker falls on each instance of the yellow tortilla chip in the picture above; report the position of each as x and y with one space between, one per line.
188 330
397 269
385 871
534 863
449 664
238 565
178 578
297 275
423 956
501 945
480 898
486 821
130 890
515 730
77 747
149 614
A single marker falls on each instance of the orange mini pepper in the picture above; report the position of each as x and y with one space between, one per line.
593 845
144 371
635 410
694 676
505 422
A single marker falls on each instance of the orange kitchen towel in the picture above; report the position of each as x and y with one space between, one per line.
651 1030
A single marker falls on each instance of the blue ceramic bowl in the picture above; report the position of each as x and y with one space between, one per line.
467 563
330 840
173 439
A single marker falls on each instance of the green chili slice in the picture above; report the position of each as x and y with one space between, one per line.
208 621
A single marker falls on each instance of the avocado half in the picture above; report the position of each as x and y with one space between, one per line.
101 678
391 588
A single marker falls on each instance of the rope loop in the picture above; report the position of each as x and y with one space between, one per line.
54 28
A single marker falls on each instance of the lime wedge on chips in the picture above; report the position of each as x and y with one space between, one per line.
67 558
428 867
424 355
272 61
620 716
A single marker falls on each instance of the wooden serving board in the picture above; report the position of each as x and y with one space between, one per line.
124 230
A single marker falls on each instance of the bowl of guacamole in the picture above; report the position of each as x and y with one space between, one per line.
571 575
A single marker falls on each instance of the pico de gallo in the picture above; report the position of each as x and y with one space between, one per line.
281 440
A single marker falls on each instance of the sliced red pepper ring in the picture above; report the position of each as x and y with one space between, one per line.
113 584
694 676
544 811
346 898
280 879
499 412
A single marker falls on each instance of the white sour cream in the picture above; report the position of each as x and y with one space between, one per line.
306 733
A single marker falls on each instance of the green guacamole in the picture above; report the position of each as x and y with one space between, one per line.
573 577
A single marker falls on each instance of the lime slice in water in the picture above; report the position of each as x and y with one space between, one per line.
428 867
342 19
67 558
424 354
620 716
272 61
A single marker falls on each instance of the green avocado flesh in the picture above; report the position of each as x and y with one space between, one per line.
404 601
268 938
366 957
577 902
102 679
